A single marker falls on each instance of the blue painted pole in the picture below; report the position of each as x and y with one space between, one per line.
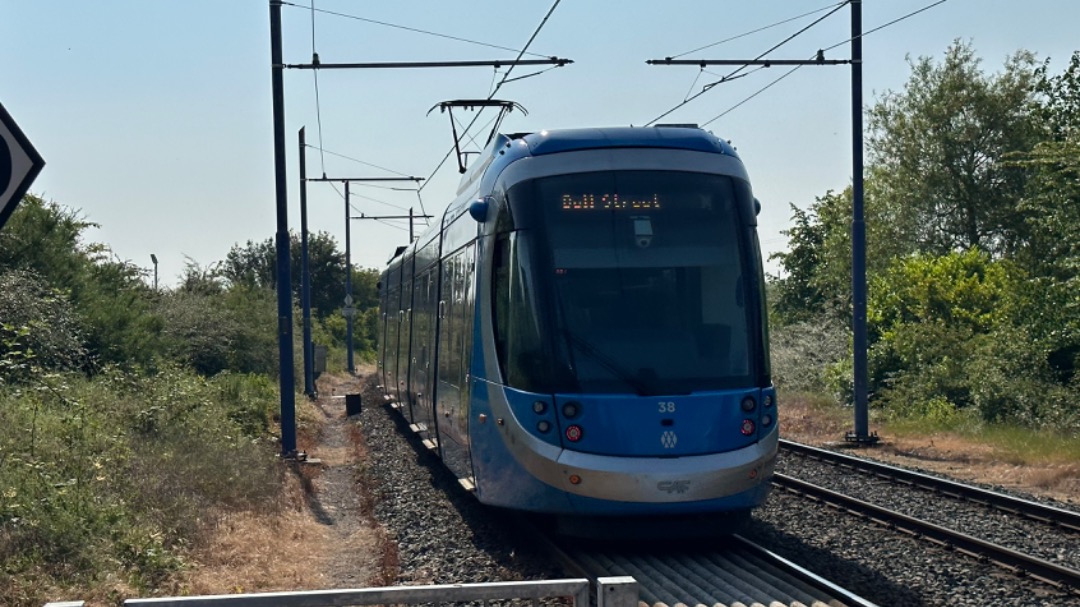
349 309
305 276
284 283
858 232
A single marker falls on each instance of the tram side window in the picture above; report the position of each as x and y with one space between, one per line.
501 295
517 336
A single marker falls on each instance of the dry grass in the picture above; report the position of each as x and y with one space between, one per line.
815 422
808 419
292 550
261 554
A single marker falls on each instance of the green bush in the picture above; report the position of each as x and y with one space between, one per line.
37 323
121 473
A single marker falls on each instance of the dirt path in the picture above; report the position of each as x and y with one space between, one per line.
335 499
325 537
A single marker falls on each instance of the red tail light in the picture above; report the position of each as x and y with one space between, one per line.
573 433
748 427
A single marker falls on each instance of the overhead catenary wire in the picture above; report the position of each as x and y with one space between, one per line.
735 72
887 24
407 28
495 90
357 160
390 225
315 75
758 30
838 44
751 96
382 202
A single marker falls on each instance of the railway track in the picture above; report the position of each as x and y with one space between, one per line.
730 572
1024 559
1035 511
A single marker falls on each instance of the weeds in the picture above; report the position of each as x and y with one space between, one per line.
119 476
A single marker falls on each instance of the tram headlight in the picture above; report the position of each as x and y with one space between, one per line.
768 400
748 404
766 420
539 407
571 409
543 426
574 433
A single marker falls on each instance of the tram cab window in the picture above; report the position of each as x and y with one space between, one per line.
516 325
642 276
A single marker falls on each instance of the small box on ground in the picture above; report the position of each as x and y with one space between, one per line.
352 404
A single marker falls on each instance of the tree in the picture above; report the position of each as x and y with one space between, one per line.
940 151
1052 203
924 315
255 266
796 295
110 299
45 238
817 267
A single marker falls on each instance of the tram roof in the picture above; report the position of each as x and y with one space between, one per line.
676 137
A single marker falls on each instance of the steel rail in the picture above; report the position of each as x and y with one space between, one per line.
734 563
1051 573
845 596
1013 505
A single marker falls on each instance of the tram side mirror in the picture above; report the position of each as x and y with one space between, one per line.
479 209
757 206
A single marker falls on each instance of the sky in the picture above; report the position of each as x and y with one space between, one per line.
155 117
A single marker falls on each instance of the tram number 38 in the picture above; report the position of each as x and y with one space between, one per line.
666 407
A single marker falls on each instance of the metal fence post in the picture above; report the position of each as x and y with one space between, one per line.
616 591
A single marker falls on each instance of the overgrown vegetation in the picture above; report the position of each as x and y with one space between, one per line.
133 419
973 219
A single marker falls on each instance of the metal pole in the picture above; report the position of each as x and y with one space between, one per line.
284 284
305 276
858 233
153 258
411 237
348 288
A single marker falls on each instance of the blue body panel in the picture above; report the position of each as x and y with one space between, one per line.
658 426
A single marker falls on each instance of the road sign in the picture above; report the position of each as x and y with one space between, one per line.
19 165
348 311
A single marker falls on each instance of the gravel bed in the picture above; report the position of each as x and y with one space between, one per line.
882 565
442 534
1013 492
1009 530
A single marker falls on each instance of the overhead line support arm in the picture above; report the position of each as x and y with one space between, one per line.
559 61
763 62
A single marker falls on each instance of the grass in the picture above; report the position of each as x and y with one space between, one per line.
108 485
1009 443
956 443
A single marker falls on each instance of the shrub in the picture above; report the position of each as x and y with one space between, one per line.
38 324
121 473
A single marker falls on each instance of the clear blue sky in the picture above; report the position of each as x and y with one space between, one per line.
154 117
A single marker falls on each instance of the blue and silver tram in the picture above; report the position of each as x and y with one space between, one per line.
584 331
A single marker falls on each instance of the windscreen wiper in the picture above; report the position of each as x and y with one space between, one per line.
605 361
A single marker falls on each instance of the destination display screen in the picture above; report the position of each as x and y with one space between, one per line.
609 202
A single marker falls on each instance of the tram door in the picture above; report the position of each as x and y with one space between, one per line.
425 304
456 304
